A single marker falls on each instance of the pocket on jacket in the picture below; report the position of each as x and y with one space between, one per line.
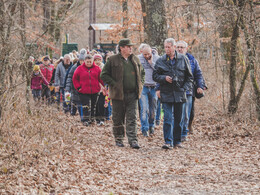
180 96
116 71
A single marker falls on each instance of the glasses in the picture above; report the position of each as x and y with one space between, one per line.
180 47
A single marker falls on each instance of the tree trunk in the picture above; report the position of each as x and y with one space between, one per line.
125 18
252 57
5 33
155 24
46 14
234 98
233 104
25 64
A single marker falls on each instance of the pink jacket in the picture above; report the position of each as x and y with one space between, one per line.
37 80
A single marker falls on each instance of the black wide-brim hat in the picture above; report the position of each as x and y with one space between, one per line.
125 42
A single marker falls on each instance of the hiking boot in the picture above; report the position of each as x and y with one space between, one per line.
145 134
151 130
101 123
167 146
120 144
134 145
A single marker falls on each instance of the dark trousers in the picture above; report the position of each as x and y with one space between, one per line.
100 110
53 96
36 94
76 105
46 93
88 102
125 114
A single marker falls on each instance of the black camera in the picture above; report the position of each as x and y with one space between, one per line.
175 81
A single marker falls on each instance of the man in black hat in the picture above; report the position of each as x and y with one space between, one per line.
122 72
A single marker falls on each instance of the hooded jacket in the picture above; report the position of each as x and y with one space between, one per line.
87 80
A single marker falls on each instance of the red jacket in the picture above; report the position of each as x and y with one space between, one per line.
47 71
86 80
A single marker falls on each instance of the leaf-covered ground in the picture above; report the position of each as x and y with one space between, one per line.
52 153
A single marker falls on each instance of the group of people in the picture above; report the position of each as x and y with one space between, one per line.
128 83
75 81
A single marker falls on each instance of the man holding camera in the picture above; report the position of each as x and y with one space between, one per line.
173 72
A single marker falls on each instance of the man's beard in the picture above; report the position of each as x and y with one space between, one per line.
66 65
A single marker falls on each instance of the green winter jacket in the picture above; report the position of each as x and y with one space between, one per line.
112 74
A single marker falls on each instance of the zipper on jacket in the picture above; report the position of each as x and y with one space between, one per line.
90 81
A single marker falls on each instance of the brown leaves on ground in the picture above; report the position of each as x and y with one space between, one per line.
52 153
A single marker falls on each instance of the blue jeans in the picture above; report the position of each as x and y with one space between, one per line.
158 110
108 111
186 116
148 103
172 130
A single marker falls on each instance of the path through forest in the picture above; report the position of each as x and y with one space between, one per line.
221 157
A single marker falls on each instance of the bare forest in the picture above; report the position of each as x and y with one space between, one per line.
45 151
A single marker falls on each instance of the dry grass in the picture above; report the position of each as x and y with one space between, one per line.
47 151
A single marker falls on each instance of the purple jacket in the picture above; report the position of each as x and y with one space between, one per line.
36 81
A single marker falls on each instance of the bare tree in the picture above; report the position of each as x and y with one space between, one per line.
252 35
243 22
125 17
6 25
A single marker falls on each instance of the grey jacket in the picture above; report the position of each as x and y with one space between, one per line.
148 68
69 84
60 75
181 74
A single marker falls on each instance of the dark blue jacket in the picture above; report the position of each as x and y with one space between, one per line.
180 71
197 74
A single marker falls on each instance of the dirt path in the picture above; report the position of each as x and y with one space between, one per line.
215 160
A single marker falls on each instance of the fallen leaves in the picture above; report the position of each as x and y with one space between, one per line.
55 154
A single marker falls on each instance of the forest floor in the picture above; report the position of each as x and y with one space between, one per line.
64 157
